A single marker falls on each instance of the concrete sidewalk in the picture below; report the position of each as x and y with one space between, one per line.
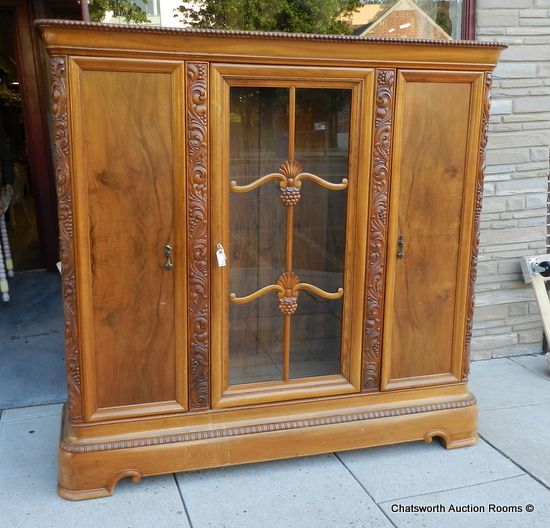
509 467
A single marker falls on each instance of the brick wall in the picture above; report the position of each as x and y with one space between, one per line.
513 222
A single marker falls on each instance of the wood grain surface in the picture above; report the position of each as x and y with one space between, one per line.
129 178
427 212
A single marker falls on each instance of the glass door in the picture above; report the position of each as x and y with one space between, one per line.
286 248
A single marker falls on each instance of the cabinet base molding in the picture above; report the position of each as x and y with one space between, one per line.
92 469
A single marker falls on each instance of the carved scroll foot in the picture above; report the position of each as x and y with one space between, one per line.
451 441
87 491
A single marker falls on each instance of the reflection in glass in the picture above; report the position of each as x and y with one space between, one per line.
263 227
322 148
259 144
316 336
256 337
421 19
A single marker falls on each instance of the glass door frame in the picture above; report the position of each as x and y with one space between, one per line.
361 83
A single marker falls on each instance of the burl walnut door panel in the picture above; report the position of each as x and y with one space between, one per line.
128 185
432 199
289 200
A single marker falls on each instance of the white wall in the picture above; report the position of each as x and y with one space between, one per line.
167 10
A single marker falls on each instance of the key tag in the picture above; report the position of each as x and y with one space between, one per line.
220 255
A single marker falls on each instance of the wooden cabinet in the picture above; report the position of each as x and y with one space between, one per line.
268 244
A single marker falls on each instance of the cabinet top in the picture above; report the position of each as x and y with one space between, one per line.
68 37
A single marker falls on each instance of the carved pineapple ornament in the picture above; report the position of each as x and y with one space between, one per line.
288 296
290 188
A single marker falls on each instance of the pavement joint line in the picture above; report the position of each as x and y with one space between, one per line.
534 477
365 490
28 336
452 489
499 357
32 405
183 501
2 441
541 402
545 378
5 421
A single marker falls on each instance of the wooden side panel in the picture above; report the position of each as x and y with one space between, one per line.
58 72
477 218
128 183
431 211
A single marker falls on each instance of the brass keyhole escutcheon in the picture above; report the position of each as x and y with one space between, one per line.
401 247
168 251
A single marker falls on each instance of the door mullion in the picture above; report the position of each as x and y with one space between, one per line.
289 231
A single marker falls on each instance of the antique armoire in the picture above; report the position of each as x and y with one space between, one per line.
268 243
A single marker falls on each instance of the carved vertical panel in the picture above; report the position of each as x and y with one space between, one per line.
477 216
66 233
378 228
197 229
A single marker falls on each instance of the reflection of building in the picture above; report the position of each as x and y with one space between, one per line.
159 13
405 20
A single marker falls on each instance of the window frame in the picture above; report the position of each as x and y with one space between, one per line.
348 381
468 29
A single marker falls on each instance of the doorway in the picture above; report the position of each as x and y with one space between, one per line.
31 324
20 216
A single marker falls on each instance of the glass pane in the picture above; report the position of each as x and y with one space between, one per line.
322 132
256 337
322 135
315 337
258 146
322 148
430 19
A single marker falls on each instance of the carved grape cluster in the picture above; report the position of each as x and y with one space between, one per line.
288 305
290 195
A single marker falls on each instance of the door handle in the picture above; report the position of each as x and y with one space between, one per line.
168 251
401 247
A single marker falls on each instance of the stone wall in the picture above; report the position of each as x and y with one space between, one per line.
513 222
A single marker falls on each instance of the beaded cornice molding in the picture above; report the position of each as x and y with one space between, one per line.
133 28
223 432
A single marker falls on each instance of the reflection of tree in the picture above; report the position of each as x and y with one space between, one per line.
443 19
302 16
438 11
127 9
